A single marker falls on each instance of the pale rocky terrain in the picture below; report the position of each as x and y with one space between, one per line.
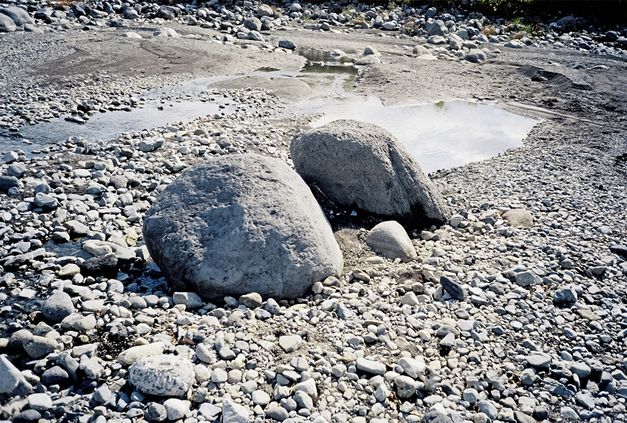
514 310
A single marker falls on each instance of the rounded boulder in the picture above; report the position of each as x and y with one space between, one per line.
240 224
357 164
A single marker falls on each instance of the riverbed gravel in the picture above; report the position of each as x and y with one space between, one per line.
513 310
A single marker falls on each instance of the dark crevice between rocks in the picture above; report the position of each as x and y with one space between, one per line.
341 217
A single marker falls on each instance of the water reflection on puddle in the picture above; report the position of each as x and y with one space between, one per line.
105 126
438 135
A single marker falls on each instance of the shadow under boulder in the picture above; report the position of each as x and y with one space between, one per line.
240 224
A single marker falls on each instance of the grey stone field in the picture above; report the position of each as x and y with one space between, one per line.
330 212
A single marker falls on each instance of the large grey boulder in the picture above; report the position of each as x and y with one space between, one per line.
356 164
18 15
241 224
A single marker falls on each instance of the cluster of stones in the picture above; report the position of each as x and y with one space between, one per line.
433 332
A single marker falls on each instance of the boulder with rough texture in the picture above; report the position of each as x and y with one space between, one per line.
356 164
162 375
241 224
391 240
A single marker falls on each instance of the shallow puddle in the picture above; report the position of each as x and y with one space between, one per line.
438 135
106 126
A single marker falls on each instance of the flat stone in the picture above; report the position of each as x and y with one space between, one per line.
413 367
162 375
453 288
519 218
527 279
105 265
308 386
39 346
565 296
190 300
252 300
69 270
130 355
79 323
176 409
39 402
234 413
370 366
275 412
8 182
10 376
540 361
261 398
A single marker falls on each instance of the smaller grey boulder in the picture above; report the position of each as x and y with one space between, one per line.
162 375
360 165
391 240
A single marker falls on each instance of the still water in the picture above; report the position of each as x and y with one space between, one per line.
438 135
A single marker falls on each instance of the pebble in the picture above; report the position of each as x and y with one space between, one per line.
132 354
176 409
39 402
370 366
290 343
9 375
162 375
570 265
233 412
